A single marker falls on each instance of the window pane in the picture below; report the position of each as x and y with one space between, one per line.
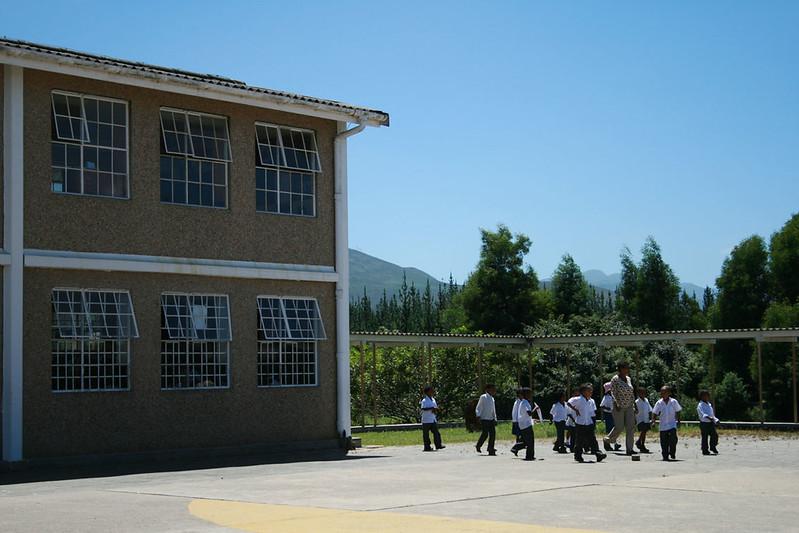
303 319
272 319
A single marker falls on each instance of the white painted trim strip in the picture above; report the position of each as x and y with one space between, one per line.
108 262
13 218
161 82
5 258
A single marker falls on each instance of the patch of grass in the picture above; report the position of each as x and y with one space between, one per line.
544 433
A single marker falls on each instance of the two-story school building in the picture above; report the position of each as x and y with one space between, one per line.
174 255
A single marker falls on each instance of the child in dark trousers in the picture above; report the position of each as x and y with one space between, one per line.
585 418
668 410
559 414
525 418
707 423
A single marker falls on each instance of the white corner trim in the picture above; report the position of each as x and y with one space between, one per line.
160 82
13 203
109 262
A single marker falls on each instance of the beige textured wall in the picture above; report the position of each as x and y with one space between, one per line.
146 418
143 225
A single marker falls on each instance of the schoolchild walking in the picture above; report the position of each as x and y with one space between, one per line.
667 409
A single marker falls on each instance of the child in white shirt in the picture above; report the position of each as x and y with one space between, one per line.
707 423
429 409
570 425
643 418
525 402
584 408
486 412
525 417
668 410
514 416
559 416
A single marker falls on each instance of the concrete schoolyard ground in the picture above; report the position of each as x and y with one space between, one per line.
751 485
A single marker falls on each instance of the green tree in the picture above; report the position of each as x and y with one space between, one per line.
742 299
732 399
570 294
690 315
743 286
708 300
784 261
627 290
657 295
501 296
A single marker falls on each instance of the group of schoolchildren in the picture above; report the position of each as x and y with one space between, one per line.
575 421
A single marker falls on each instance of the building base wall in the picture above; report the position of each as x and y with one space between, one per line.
146 418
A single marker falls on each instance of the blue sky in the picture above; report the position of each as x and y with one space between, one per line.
587 126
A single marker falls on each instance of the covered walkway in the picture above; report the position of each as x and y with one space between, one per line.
520 344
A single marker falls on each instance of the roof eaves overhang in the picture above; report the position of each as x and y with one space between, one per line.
151 78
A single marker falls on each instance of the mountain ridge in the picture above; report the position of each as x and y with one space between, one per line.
376 275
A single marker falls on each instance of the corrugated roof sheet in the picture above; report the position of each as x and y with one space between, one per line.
23 47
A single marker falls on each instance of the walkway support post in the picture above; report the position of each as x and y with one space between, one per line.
760 380
530 368
429 364
677 367
601 349
374 383
638 366
480 383
713 371
793 371
568 371
362 380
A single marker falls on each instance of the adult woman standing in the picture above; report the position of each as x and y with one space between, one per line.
621 388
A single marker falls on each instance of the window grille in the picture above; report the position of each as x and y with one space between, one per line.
286 160
195 151
195 341
289 329
90 341
89 148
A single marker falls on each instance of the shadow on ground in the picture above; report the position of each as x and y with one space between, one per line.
111 467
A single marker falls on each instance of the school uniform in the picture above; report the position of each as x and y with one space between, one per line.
643 418
430 423
558 412
521 443
606 405
707 426
570 426
486 412
514 418
525 420
585 411
667 411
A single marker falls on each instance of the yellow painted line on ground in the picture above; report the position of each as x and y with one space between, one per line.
267 518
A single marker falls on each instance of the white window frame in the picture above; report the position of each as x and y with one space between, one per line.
284 167
189 142
191 327
282 146
196 341
84 141
82 343
186 157
287 338
82 348
261 352
286 326
134 333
